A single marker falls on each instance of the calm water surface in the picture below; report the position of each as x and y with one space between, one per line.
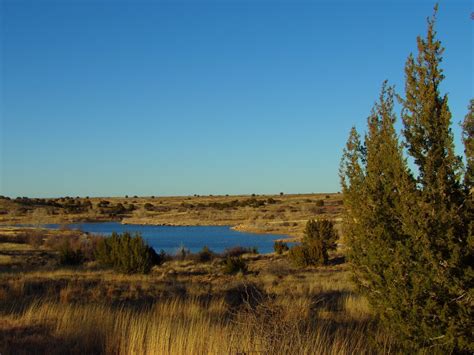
170 238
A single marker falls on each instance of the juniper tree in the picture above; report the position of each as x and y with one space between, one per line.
437 281
468 139
410 233
373 177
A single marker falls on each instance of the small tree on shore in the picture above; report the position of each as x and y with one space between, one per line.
320 237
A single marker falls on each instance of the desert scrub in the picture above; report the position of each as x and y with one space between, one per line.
238 251
234 264
280 247
320 237
205 255
127 253
70 256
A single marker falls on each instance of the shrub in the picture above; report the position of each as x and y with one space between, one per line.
182 252
127 254
205 255
280 247
319 203
320 237
148 207
238 251
300 256
70 256
297 256
233 265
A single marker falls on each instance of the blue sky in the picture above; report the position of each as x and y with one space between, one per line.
105 98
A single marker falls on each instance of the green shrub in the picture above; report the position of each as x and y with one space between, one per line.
148 206
205 255
307 254
280 247
234 264
320 237
238 251
70 256
182 252
319 203
298 256
127 254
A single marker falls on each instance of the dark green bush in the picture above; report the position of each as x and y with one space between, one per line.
182 253
307 254
127 254
319 203
205 255
70 256
320 237
149 207
234 264
280 247
238 251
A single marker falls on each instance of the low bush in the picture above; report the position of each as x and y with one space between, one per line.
320 237
148 206
205 255
280 247
182 253
234 264
238 251
70 256
127 254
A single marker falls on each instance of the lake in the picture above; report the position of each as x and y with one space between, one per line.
170 238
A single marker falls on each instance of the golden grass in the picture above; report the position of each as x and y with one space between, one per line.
6 259
15 247
190 327
274 309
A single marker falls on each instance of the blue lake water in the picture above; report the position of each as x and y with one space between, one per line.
170 238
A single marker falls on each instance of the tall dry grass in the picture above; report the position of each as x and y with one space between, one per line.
190 326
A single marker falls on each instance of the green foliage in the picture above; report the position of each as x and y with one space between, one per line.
320 237
468 139
127 254
69 255
234 264
205 255
148 206
300 256
182 252
319 203
410 233
238 251
280 247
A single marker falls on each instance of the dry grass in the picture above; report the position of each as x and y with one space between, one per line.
184 307
15 247
185 327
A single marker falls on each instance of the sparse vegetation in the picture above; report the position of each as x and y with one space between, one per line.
280 247
234 264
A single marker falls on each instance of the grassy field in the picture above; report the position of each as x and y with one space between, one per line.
181 307
282 214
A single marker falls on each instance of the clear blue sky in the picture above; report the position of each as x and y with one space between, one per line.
106 98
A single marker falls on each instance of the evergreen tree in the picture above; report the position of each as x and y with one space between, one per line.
468 139
439 249
410 233
372 224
